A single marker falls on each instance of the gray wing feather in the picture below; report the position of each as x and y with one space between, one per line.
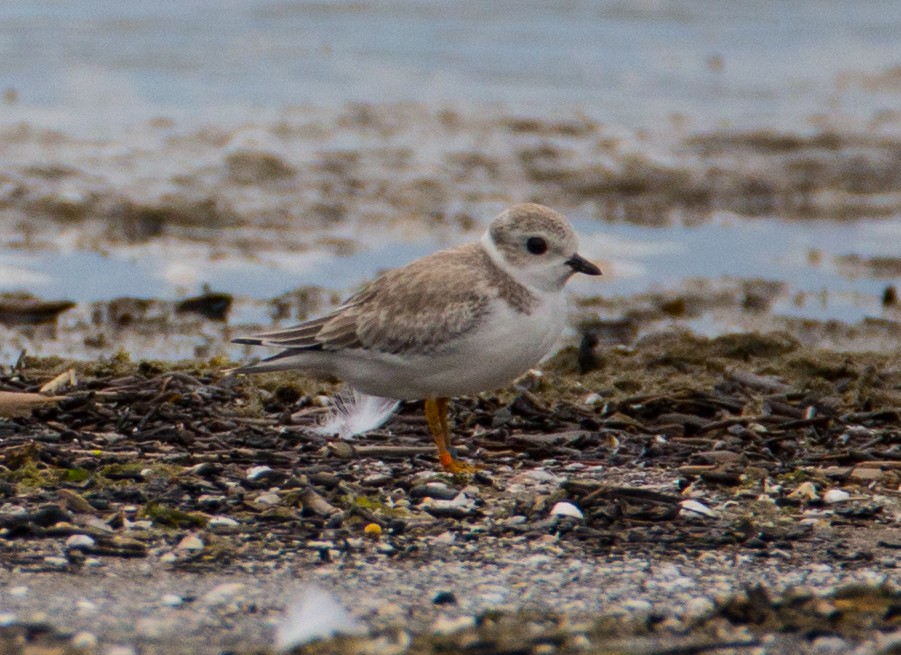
416 309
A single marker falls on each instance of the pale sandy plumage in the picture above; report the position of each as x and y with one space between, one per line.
459 321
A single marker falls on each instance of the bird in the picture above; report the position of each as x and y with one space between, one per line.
460 321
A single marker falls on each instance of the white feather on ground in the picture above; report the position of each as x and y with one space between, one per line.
316 614
354 413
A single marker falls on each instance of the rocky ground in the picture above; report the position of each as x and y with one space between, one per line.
679 495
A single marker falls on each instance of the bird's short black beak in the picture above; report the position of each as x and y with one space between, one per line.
581 265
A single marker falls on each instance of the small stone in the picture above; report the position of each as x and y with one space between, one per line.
372 530
694 508
85 607
830 646
256 472
57 562
171 600
445 598
79 542
17 592
447 538
699 607
151 627
445 625
191 542
458 508
224 593
93 562
579 642
84 641
860 474
223 524
119 649
7 619
168 558
636 605
835 496
268 498
435 490
376 479
806 490
567 509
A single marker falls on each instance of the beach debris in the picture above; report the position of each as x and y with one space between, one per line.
15 403
211 305
27 310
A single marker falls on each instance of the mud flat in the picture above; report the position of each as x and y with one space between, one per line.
679 494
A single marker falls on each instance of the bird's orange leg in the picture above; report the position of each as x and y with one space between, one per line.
436 416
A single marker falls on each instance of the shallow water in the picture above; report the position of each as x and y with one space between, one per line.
150 150
806 257
86 65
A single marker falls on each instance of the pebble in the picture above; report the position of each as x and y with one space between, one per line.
171 600
435 490
694 509
257 472
268 498
223 525
85 606
191 542
58 562
446 625
119 649
84 641
376 479
805 490
535 476
458 508
830 646
79 542
836 496
18 592
445 598
168 558
636 605
567 509
224 593
698 607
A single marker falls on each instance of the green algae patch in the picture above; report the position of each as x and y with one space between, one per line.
131 471
369 505
679 360
172 517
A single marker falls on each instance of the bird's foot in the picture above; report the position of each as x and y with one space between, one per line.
456 466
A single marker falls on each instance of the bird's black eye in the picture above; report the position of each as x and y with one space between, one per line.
536 245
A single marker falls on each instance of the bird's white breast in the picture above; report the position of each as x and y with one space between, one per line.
506 344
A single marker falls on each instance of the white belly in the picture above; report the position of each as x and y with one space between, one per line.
507 345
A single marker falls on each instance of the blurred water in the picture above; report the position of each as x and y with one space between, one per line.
111 107
88 64
634 259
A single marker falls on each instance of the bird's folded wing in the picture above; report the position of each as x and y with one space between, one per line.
413 310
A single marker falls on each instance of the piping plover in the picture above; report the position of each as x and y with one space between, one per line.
457 322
